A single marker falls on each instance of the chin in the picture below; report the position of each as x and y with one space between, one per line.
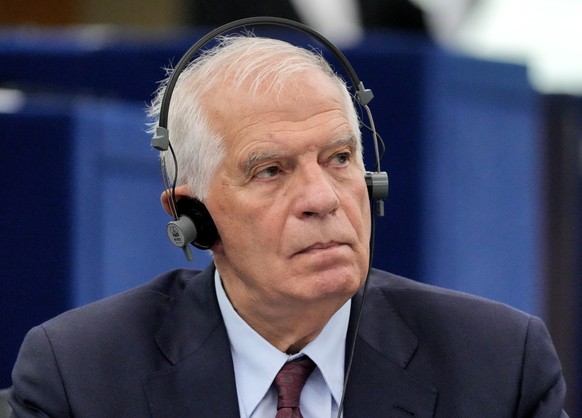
341 284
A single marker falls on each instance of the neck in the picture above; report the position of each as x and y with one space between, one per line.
288 333
287 325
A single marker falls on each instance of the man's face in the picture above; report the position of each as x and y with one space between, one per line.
289 200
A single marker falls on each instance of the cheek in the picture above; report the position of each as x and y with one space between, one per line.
244 228
366 216
359 210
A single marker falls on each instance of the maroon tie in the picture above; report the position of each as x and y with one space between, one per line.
289 383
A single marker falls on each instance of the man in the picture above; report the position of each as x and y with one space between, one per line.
266 136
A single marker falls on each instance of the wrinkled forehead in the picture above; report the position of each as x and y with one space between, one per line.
299 97
276 89
269 80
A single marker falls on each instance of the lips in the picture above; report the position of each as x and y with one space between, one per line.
319 246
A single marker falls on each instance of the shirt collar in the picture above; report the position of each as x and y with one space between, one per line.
256 361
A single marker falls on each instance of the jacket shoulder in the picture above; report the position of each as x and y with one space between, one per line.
134 314
479 353
412 298
104 348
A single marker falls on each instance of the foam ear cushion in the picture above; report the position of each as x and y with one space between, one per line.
207 235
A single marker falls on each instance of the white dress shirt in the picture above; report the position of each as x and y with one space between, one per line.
256 363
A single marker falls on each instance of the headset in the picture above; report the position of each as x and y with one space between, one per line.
192 223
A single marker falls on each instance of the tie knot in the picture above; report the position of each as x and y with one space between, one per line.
290 381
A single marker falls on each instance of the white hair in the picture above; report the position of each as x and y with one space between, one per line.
262 63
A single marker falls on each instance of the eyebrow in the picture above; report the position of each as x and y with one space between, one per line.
257 158
348 139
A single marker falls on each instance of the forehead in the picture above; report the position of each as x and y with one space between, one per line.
304 96
308 115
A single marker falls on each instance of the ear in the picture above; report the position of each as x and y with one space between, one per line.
180 192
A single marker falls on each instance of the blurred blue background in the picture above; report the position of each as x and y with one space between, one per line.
486 189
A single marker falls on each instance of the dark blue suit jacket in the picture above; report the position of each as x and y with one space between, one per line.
161 350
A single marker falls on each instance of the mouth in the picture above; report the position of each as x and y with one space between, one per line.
320 246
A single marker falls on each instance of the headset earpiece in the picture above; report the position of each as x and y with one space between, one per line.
193 226
378 184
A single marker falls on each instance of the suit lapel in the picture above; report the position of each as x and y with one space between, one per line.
379 384
199 382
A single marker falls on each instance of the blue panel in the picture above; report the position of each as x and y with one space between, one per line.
89 62
35 170
482 181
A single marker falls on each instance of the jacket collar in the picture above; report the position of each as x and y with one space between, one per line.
379 384
199 380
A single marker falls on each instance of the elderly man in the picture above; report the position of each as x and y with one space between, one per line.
266 137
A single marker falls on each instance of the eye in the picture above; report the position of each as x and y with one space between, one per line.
268 172
341 158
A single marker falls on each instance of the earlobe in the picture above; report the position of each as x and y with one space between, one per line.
180 192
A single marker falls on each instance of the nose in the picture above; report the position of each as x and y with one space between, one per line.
316 192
